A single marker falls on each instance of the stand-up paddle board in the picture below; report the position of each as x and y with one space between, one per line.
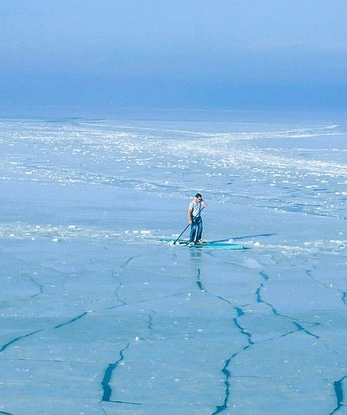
227 244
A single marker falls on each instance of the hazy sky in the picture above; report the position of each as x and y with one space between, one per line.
174 53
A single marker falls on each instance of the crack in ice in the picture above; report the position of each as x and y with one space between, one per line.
339 394
107 390
227 374
241 313
72 320
5 346
278 314
119 282
40 287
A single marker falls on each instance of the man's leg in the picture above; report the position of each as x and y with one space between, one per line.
192 232
199 231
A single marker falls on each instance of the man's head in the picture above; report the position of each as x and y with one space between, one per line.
198 197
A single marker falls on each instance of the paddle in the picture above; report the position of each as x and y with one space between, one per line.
187 226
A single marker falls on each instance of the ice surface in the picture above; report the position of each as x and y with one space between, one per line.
98 316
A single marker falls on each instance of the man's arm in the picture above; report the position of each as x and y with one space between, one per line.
190 214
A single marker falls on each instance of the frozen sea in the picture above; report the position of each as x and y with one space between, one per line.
98 316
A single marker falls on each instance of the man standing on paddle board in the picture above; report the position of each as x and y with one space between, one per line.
194 218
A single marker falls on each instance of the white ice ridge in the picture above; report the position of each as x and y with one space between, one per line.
20 230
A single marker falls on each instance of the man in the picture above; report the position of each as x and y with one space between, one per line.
194 218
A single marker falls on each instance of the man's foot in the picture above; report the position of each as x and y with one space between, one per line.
200 241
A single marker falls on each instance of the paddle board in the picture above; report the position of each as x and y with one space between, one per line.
226 244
